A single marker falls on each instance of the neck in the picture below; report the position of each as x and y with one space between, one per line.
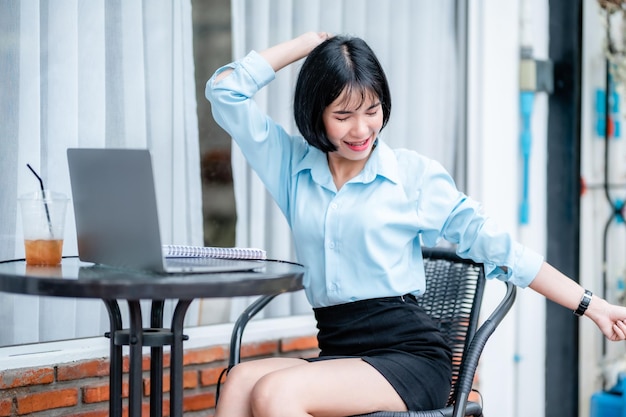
343 170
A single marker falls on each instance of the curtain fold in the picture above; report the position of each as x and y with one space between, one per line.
416 42
114 73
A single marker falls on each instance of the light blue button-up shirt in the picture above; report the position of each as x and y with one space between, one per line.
363 241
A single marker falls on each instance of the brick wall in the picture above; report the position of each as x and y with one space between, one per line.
80 389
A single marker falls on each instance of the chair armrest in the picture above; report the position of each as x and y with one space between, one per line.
240 325
472 356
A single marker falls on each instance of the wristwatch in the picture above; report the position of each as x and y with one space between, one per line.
584 303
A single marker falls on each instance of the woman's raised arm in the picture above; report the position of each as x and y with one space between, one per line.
285 53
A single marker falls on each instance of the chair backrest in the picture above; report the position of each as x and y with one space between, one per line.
454 290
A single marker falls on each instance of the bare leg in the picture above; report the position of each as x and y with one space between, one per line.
280 387
234 398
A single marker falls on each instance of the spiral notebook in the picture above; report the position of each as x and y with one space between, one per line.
115 209
186 251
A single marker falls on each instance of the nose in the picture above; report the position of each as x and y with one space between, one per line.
360 127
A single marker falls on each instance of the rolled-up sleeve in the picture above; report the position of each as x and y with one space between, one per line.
231 102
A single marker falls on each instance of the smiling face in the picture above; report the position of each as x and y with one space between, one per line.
339 79
352 123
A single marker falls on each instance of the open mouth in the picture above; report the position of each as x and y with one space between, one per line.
358 146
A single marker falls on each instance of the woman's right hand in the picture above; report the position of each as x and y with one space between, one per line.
314 39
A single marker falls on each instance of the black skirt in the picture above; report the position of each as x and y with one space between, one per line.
398 339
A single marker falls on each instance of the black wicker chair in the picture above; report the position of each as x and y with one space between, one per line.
453 297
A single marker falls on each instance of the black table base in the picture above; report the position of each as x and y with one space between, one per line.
136 337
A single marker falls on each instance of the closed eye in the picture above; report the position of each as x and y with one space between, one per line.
373 109
343 115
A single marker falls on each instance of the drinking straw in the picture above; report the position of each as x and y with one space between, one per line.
43 194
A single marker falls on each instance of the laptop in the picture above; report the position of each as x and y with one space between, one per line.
117 223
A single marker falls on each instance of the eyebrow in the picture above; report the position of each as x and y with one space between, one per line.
349 112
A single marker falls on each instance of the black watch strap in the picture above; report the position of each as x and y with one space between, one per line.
584 303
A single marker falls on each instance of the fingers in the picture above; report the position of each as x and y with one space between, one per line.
619 330
325 35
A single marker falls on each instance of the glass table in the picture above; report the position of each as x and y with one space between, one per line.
77 279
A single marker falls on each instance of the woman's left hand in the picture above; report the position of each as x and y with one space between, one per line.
610 319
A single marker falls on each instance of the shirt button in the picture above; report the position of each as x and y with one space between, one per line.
333 206
331 245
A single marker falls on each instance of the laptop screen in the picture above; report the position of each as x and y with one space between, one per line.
115 207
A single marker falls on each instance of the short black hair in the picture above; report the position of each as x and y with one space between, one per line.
339 63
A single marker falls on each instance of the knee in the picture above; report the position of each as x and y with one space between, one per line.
271 397
238 381
236 373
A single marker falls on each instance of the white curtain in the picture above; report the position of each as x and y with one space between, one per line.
417 44
97 73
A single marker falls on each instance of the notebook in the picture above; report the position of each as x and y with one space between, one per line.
115 209
186 251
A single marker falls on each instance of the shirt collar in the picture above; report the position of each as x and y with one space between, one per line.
382 163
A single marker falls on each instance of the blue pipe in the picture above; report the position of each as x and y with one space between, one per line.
526 108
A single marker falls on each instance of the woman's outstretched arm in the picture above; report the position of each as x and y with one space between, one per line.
610 319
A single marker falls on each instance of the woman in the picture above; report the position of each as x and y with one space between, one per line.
359 212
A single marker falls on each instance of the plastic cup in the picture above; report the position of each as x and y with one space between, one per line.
43 222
